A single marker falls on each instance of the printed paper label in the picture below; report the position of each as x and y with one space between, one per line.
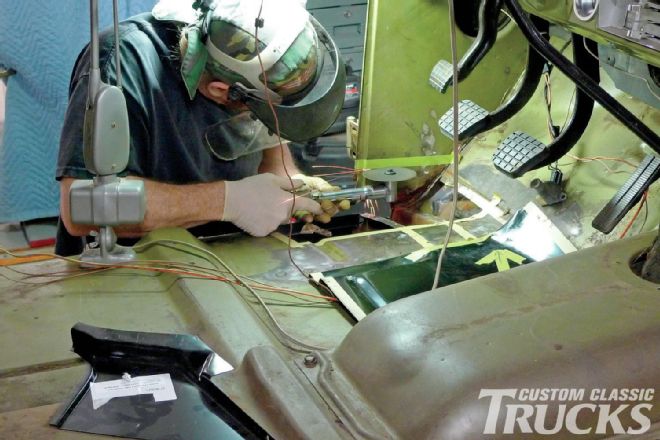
160 385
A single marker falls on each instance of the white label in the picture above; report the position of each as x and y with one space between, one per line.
160 385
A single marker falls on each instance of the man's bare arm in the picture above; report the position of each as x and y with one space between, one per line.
272 161
168 205
184 206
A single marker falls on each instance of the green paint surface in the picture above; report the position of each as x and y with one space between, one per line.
399 109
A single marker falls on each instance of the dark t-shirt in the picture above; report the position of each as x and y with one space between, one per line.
173 139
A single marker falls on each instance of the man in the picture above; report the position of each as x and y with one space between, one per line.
202 157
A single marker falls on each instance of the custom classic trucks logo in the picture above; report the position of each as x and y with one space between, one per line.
578 411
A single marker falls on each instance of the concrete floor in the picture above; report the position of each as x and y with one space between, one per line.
35 235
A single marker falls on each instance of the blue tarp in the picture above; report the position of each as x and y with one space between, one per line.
40 40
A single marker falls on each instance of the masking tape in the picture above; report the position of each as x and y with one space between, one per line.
418 255
358 235
419 238
489 206
334 252
341 295
285 239
417 161
464 233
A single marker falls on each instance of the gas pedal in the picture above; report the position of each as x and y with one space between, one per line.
471 120
519 153
628 196
442 76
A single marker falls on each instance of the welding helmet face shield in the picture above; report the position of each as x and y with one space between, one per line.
312 110
285 74
237 135
293 64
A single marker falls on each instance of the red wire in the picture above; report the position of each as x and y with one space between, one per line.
639 209
279 138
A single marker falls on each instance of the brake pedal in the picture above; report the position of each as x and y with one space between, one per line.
442 76
471 120
519 153
629 194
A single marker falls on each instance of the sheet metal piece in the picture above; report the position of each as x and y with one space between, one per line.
200 410
526 238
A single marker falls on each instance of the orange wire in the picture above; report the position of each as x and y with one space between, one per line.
597 158
639 209
341 173
94 267
339 167
216 278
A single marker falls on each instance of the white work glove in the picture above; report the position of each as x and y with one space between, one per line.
315 183
330 208
259 204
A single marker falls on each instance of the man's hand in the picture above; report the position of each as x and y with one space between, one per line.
259 204
315 183
168 205
330 208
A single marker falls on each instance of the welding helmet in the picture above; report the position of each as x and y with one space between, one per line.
270 53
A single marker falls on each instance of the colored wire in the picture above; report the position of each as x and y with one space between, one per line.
547 94
601 160
625 72
41 283
646 214
632 220
455 101
279 138
571 105
172 244
55 274
217 259
211 257
341 173
291 341
339 167
138 265
67 275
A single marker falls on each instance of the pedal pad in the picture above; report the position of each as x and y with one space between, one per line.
442 76
471 120
519 153
628 196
